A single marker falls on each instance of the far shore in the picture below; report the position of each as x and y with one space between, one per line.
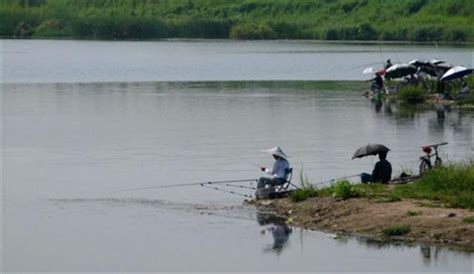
318 41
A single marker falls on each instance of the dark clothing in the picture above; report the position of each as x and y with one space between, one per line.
441 87
365 178
382 172
377 83
263 181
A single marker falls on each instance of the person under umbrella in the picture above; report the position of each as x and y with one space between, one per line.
382 172
383 169
278 172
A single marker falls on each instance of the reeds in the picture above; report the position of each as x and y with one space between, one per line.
410 20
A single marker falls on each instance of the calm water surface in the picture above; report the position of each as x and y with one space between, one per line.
69 148
85 61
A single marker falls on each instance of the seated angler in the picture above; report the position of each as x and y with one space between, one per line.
382 172
279 172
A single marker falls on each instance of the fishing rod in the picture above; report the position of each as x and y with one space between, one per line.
365 65
227 191
336 179
187 184
241 186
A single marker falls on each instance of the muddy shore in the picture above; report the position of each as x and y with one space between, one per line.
428 222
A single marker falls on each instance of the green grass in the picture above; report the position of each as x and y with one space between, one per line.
468 220
344 190
409 20
305 191
413 213
396 230
302 194
451 185
252 31
339 190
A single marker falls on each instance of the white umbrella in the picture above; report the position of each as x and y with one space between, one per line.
400 70
436 61
456 72
368 70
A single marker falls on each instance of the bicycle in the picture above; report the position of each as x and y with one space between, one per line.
425 163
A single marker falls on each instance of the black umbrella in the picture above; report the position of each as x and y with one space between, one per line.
420 63
442 68
370 149
425 66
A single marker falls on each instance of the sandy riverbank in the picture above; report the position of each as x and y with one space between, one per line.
365 217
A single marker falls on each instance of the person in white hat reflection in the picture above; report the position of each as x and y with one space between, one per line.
279 171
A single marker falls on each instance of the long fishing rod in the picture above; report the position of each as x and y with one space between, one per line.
227 191
187 184
336 179
241 186
365 65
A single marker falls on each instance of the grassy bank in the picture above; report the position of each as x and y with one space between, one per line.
438 208
407 20
449 186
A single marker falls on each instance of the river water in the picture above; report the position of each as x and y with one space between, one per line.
82 122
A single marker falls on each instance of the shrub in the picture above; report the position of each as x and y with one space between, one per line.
426 34
366 32
283 30
203 28
348 7
331 34
455 35
396 230
412 94
302 194
251 31
399 34
413 213
23 29
50 28
414 6
343 190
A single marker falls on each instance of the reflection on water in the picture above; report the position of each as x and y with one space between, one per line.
278 228
441 120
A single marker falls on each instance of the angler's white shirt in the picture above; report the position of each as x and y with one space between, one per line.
279 169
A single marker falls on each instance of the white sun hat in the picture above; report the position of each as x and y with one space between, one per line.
277 151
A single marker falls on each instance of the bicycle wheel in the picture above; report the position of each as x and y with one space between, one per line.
438 162
425 165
